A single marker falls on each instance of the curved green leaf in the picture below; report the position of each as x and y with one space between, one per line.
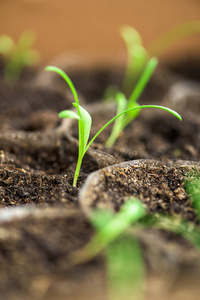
68 114
131 212
66 78
85 126
174 113
130 35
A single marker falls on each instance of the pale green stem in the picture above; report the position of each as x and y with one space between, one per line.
77 171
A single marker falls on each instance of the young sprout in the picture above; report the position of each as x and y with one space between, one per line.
123 103
17 56
85 120
140 68
124 262
137 57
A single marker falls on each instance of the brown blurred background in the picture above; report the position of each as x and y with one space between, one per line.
93 25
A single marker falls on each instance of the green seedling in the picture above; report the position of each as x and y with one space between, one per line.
140 68
124 261
123 103
116 237
109 227
137 57
18 55
85 120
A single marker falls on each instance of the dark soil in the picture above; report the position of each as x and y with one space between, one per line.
44 219
111 186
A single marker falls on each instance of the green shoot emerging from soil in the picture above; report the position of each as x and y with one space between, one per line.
137 57
85 120
116 237
140 68
124 104
124 262
17 56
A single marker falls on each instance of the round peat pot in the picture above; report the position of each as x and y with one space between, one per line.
158 184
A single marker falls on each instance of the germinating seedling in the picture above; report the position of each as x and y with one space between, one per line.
137 57
116 237
140 68
123 103
18 55
85 120
125 266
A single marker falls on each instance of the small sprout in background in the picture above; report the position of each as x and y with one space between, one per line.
137 57
140 67
110 227
124 261
116 237
18 55
124 104
85 120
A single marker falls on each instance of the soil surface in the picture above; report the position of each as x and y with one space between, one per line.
43 219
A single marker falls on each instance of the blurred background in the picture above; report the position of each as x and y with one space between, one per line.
93 25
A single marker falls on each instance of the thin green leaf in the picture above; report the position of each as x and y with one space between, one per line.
117 128
86 123
137 59
121 102
149 69
66 78
68 114
128 110
137 56
131 211
130 36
